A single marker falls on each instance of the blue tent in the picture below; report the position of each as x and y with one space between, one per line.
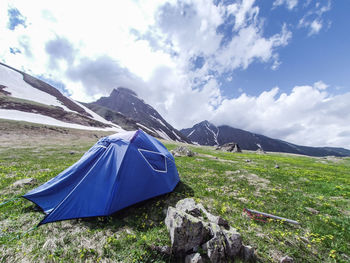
118 171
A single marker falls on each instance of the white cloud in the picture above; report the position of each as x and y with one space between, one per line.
308 115
150 46
313 20
290 4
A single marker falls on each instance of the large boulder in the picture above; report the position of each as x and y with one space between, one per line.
229 147
186 231
182 151
191 226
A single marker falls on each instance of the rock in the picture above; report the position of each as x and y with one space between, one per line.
277 166
248 254
233 242
286 259
182 151
71 152
186 231
191 226
312 210
247 160
23 182
260 149
215 249
162 249
194 258
229 147
188 205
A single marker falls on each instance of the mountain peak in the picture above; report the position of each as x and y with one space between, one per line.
206 123
123 91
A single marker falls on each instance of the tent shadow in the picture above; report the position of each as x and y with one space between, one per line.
141 216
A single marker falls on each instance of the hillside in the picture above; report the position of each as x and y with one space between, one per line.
126 102
206 133
313 191
25 98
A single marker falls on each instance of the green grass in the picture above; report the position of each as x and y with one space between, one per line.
224 182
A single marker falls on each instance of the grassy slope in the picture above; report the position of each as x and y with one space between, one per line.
225 183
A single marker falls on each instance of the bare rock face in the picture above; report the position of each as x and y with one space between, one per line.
191 226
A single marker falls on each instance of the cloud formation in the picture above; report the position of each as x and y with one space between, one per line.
60 49
308 115
290 4
313 20
175 55
15 18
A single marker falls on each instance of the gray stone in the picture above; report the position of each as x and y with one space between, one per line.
162 249
194 258
248 254
182 151
287 259
229 147
23 182
215 249
277 166
233 242
191 226
186 231
188 205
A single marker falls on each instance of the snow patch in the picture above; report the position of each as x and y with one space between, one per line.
163 135
143 126
177 136
42 119
191 133
95 116
18 88
162 123
215 135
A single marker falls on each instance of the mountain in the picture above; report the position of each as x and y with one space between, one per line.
206 133
126 102
25 98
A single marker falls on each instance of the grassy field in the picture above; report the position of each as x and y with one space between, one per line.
225 183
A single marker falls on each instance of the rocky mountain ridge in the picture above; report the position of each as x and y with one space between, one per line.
126 102
206 133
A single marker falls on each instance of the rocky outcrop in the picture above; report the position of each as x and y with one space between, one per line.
230 147
182 151
192 229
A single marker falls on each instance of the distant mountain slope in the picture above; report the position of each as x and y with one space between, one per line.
25 98
205 133
126 102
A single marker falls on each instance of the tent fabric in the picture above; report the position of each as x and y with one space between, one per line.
118 171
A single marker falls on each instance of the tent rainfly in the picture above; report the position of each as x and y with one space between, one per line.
118 171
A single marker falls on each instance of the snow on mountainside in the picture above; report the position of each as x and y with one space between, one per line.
205 133
125 101
25 98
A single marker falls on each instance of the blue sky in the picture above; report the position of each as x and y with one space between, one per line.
279 67
307 58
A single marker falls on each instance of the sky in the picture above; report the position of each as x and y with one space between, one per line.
280 68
